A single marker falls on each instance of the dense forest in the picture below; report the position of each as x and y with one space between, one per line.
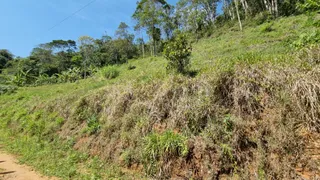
203 89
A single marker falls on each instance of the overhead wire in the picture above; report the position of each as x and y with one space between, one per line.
74 13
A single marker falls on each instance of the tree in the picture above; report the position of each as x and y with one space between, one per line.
44 60
196 15
122 31
5 57
149 14
236 3
86 49
178 52
141 44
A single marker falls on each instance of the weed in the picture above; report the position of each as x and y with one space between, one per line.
131 67
93 125
160 148
267 27
110 72
7 89
307 39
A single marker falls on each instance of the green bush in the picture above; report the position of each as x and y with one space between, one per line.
131 67
309 6
93 125
178 52
44 79
262 18
267 27
72 75
7 89
307 39
110 72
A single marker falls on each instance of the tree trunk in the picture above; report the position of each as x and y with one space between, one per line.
237 9
244 7
232 12
85 66
276 12
267 4
143 50
142 46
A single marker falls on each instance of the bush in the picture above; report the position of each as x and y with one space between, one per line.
44 79
267 27
7 89
93 125
72 75
309 6
262 18
307 39
110 72
131 67
178 52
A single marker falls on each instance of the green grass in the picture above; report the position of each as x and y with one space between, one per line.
42 124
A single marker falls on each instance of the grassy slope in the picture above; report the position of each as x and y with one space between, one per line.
43 124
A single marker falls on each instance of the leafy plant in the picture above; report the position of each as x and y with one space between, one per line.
309 6
267 27
110 72
307 39
131 67
71 75
93 125
178 52
43 79
7 89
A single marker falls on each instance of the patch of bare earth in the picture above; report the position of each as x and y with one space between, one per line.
309 168
11 170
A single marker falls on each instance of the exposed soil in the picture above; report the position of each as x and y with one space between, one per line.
310 169
11 170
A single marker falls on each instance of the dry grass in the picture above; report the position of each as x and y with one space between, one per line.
306 96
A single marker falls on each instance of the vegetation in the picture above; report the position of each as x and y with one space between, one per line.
112 111
178 52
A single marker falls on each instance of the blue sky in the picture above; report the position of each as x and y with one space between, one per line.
25 23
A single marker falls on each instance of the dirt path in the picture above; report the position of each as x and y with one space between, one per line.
11 170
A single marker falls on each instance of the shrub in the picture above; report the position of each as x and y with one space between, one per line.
309 6
178 52
72 75
7 89
93 125
307 39
262 18
131 67
267 27
110 72
43 79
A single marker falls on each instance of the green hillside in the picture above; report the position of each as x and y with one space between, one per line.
248 109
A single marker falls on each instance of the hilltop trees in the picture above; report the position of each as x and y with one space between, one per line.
5 57
149 15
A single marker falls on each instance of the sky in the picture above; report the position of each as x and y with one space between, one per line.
28 23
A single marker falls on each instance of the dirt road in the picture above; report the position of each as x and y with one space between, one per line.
11 170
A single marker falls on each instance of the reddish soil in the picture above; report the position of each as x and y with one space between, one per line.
310 169
11 170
